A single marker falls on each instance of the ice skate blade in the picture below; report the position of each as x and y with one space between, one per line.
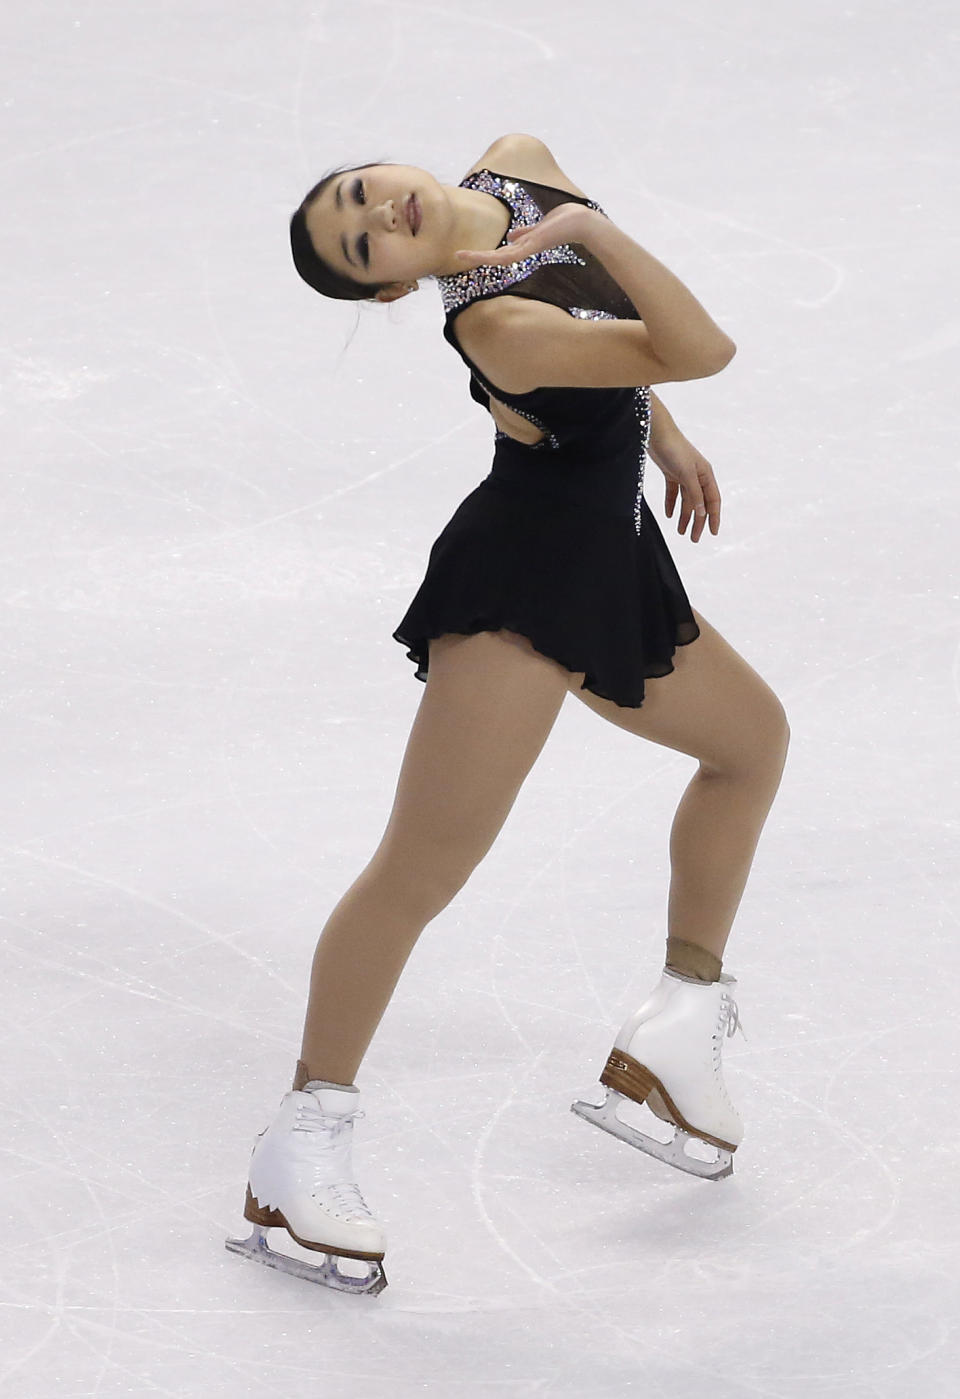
671 1153
326 1273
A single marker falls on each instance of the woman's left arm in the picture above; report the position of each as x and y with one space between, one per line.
687 471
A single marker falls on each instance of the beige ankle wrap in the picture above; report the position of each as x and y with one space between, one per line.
688 959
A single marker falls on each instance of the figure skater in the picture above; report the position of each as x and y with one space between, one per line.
551 577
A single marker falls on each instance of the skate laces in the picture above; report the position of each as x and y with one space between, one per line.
344 1194
312 1118
347 1198
319 1121
730 1018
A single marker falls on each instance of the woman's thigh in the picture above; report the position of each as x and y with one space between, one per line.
713 705
487 710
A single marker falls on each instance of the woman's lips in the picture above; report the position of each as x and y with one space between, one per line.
414 214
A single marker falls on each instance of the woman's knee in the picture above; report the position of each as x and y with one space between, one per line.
419 881
760 740
775 733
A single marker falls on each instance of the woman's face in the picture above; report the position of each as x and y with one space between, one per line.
385 223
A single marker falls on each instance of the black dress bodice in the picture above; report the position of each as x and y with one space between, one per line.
594 439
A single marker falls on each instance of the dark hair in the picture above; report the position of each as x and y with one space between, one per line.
312 268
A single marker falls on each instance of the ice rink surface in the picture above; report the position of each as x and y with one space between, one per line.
219 494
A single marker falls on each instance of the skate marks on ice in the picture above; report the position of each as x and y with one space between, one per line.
586 1288
590 1311
862 1151
774 265
478 1176
111 976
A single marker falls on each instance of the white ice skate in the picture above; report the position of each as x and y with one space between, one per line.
668 1056
301 1180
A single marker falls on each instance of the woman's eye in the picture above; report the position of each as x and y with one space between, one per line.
365 250
358 193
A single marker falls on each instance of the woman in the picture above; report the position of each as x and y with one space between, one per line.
552 576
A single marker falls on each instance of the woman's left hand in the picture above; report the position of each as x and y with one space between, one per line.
689 473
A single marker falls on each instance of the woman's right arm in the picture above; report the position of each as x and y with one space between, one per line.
521 344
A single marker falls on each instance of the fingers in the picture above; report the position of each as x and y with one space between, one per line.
700 502
686 510
711 501
549 232
496 257
521 244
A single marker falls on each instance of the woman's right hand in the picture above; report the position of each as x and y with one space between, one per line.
567 223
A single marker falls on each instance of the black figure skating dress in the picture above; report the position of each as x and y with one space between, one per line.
557 543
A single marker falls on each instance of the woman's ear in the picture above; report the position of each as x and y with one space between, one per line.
396 290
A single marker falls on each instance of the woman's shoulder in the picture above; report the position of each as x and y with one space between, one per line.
525 158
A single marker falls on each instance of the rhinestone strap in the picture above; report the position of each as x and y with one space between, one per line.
641 406
461 288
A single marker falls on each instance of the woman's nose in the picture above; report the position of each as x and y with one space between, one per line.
386 214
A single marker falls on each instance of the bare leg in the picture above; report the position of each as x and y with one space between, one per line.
488 708
715 707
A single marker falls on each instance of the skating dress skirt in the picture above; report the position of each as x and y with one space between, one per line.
557 542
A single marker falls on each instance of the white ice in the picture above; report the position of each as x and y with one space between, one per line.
219 493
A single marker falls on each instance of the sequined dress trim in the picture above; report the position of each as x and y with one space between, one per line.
461 288
641 406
